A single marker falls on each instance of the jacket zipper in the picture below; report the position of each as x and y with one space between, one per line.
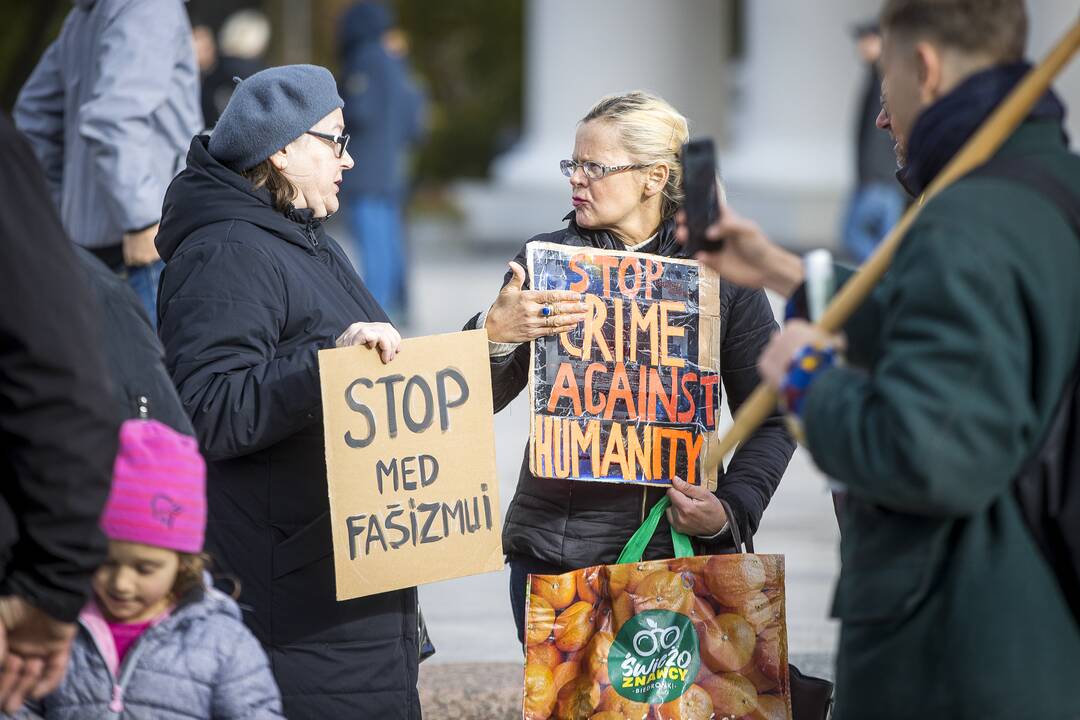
126 669
311 236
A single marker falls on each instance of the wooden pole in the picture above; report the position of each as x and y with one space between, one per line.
978 149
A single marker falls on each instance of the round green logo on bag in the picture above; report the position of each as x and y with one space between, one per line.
654 657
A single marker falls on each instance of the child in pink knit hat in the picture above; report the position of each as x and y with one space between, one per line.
155 520
156 640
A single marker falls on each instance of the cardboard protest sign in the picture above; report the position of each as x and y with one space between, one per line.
632 394
410 463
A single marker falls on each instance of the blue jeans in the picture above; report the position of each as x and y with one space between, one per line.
144 281
376 224
874 209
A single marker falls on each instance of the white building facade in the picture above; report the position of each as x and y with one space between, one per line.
775 82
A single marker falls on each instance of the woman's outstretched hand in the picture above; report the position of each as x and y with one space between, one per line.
519 315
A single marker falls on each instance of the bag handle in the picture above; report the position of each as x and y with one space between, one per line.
736 534
635 546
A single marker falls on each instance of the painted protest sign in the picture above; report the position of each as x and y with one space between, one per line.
410 463
632 394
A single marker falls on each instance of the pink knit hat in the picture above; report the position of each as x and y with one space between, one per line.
158 490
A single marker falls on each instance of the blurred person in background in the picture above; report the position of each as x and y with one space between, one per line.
625 180
878 200
957 365
202 39
58 432
253 288
238 53
110 110
384 111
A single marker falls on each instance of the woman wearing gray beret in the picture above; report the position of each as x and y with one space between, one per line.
253 288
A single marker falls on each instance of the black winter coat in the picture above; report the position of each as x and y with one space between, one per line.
58 431
578 524
248 297
133 352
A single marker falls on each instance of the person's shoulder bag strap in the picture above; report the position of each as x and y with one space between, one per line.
1026 170
1047 487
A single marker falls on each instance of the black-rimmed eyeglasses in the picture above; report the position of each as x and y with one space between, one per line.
594 170
340 141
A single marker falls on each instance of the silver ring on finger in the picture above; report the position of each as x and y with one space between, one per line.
546 311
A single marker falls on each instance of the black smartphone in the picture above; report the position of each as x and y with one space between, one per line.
699 184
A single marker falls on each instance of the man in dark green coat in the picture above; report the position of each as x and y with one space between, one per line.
954 368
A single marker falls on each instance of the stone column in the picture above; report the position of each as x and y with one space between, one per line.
789 161
784 113
1049 21
578 52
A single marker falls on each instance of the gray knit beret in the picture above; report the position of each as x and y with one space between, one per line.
269 110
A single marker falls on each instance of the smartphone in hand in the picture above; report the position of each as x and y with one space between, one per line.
702 206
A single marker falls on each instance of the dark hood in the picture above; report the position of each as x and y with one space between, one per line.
207 192
364 22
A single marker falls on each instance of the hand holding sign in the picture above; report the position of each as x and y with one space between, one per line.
372 335
518 315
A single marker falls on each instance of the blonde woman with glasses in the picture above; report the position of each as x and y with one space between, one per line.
625 186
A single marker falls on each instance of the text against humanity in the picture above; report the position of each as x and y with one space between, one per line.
619 397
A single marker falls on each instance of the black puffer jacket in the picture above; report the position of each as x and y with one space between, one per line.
58 426
577 524
248 298
133 352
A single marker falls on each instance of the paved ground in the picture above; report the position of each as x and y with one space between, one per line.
476 672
